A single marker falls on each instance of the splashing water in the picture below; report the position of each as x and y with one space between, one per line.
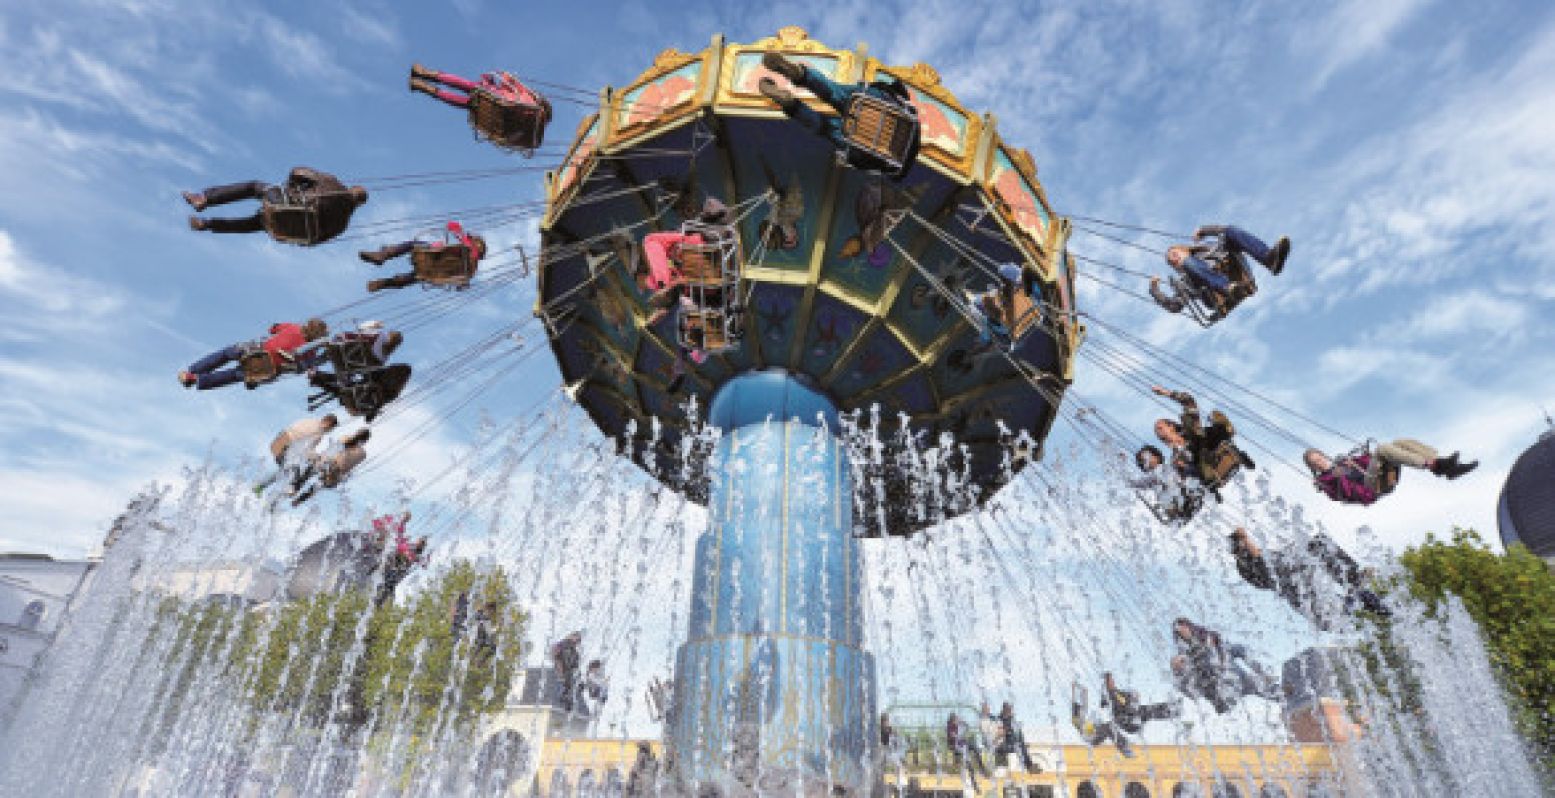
172 676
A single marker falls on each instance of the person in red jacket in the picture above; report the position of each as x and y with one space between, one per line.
284 341
1363 478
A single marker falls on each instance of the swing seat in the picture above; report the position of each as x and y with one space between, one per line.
258 367
1178 512
1020 315
716 261
1220 465
365 394
449 265
509 124
349 357
881 130
711 331
289 217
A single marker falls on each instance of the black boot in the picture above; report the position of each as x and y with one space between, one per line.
376 257
772 91
1278 256
788 69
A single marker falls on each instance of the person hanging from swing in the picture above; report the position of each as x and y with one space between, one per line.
502 109
1369 473
662 263
1292 573
1213 270
1006 311
255 363
1173 495
876 128
447 261
360 376
331 468
1222 673
311 207
1129 715
1202 451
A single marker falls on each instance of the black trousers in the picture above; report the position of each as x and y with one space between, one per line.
236 192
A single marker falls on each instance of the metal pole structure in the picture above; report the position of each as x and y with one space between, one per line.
774 693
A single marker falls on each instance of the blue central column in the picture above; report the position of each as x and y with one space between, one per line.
773 691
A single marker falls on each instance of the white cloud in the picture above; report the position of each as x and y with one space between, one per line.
1352 31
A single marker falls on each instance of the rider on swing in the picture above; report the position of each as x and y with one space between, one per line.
472 247
502 86
1218 244
839 97
329 201
1194 445
1366 475
282 345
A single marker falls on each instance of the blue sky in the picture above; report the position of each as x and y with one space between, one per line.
1407 147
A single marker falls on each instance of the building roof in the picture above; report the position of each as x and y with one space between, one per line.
1526 512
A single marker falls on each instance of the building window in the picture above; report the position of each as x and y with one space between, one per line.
1087 790
32 614
1187 789
1272 791
1135 790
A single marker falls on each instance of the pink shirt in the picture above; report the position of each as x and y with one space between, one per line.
661 249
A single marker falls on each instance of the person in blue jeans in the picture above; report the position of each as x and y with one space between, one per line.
837 96
1213 243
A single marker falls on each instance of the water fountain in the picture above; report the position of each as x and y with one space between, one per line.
879 534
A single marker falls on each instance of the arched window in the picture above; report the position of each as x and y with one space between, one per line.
1225 789
615 786
560 787
1271 790
501 762
1087 790
586 786
1187 789
1135 790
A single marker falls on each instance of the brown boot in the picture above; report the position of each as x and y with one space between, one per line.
195 199
772 91
423 86
376 257
196 223
419 71
374 286
788 69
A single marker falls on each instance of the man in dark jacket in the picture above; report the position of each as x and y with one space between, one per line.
329 202
1194 444
1292 573
839 97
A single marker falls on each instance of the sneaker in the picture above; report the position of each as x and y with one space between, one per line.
1443 466
1278 255
196 223
772 91
788 69
195 199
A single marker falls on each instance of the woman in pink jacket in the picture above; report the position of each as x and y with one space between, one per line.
1363 478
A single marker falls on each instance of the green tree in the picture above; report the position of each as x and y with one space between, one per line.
432 665
1512 598
295 656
